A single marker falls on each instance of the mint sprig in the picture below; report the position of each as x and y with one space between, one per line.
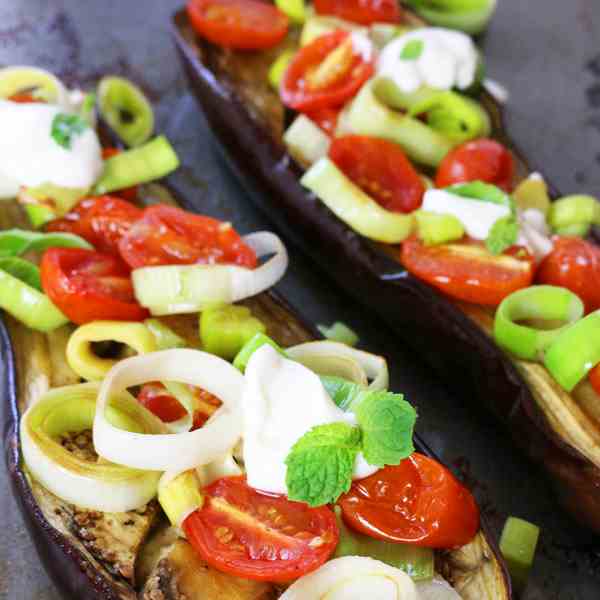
479 190
503 234
65 127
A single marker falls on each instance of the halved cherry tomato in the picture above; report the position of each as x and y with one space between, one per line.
574 264
325 73
595 379
101 220
130 193
326 118
364 12
157 399
240 24
468 271
381 169
25 98
484 160
417 502
166 235
89 286
260 536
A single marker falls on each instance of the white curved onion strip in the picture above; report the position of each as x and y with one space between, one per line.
177 289
224 466
374 367
353 578
172 452
94 486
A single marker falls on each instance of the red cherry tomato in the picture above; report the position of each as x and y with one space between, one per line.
25 98
260 536
595 379
89 286
166 235
418 502
157 399
574 264
485 160
381 169
325 118
317 78
469 272
240 24
130 193
364 12
102 221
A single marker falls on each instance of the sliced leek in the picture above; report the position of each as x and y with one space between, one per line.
40 84
180 496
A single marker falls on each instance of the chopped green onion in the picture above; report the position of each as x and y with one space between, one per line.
39 214
180 497
470 16
575 352
153 160
579 212
260 339
14 242
339 332
294 9
434 229
279 67
544 302
574 231
21 296
165 337
518 544
306 141
225 330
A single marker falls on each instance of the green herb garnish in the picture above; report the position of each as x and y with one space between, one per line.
503 235
65 127
412 50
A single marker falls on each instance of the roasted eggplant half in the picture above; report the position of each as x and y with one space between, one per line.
137 554
248 119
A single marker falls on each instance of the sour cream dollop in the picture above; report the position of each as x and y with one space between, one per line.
282 401
29 155
448 59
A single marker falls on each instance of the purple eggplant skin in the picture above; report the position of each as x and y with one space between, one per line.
459 351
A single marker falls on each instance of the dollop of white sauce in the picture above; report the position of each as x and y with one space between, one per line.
476 216
282 401
449 59
30 157
534 233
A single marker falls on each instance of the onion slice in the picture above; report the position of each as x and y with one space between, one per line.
370 366
94 486
172 452
177 289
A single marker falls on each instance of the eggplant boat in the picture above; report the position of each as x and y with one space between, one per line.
174 430
372 141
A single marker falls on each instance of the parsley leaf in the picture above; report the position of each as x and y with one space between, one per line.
387 422
65 127
412 50
503 234
321 462
479 190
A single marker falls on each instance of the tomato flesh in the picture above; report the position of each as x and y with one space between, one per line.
166 235
239 24
260 536
574 264
469 272
381 169
101 220
595 379
418 502
325 73
326 118
89 286
484 160
364 12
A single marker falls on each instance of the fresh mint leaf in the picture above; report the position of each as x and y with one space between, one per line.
387 422
65 127
479 190
412 50
503 235
321 462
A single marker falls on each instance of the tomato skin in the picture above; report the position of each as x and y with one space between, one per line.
89 286
574 264
418 502
364 12
326 118
469 272
130 193
295 91
239 24
245 547
381 169
25 98
484 159
166 235
101 220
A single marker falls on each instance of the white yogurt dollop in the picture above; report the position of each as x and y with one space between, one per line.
282 401
448 59
30 157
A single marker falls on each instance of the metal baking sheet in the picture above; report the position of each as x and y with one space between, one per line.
544 51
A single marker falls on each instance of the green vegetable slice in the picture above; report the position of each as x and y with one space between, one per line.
14 242
470 16
574 213
339 332
518 544
294 9
250 347
434 229
279 67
